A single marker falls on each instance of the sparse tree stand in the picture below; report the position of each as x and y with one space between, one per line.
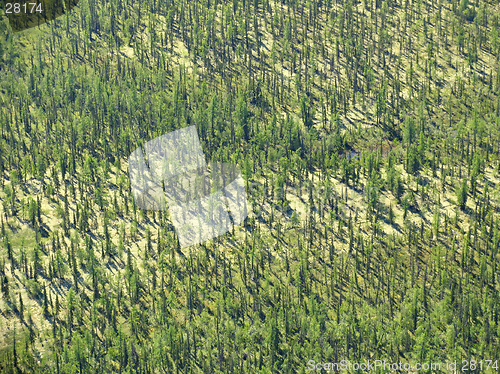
302 96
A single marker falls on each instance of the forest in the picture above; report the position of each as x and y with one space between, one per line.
368 134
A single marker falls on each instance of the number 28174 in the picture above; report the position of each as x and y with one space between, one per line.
26 8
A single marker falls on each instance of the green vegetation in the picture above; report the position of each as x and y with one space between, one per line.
369 136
